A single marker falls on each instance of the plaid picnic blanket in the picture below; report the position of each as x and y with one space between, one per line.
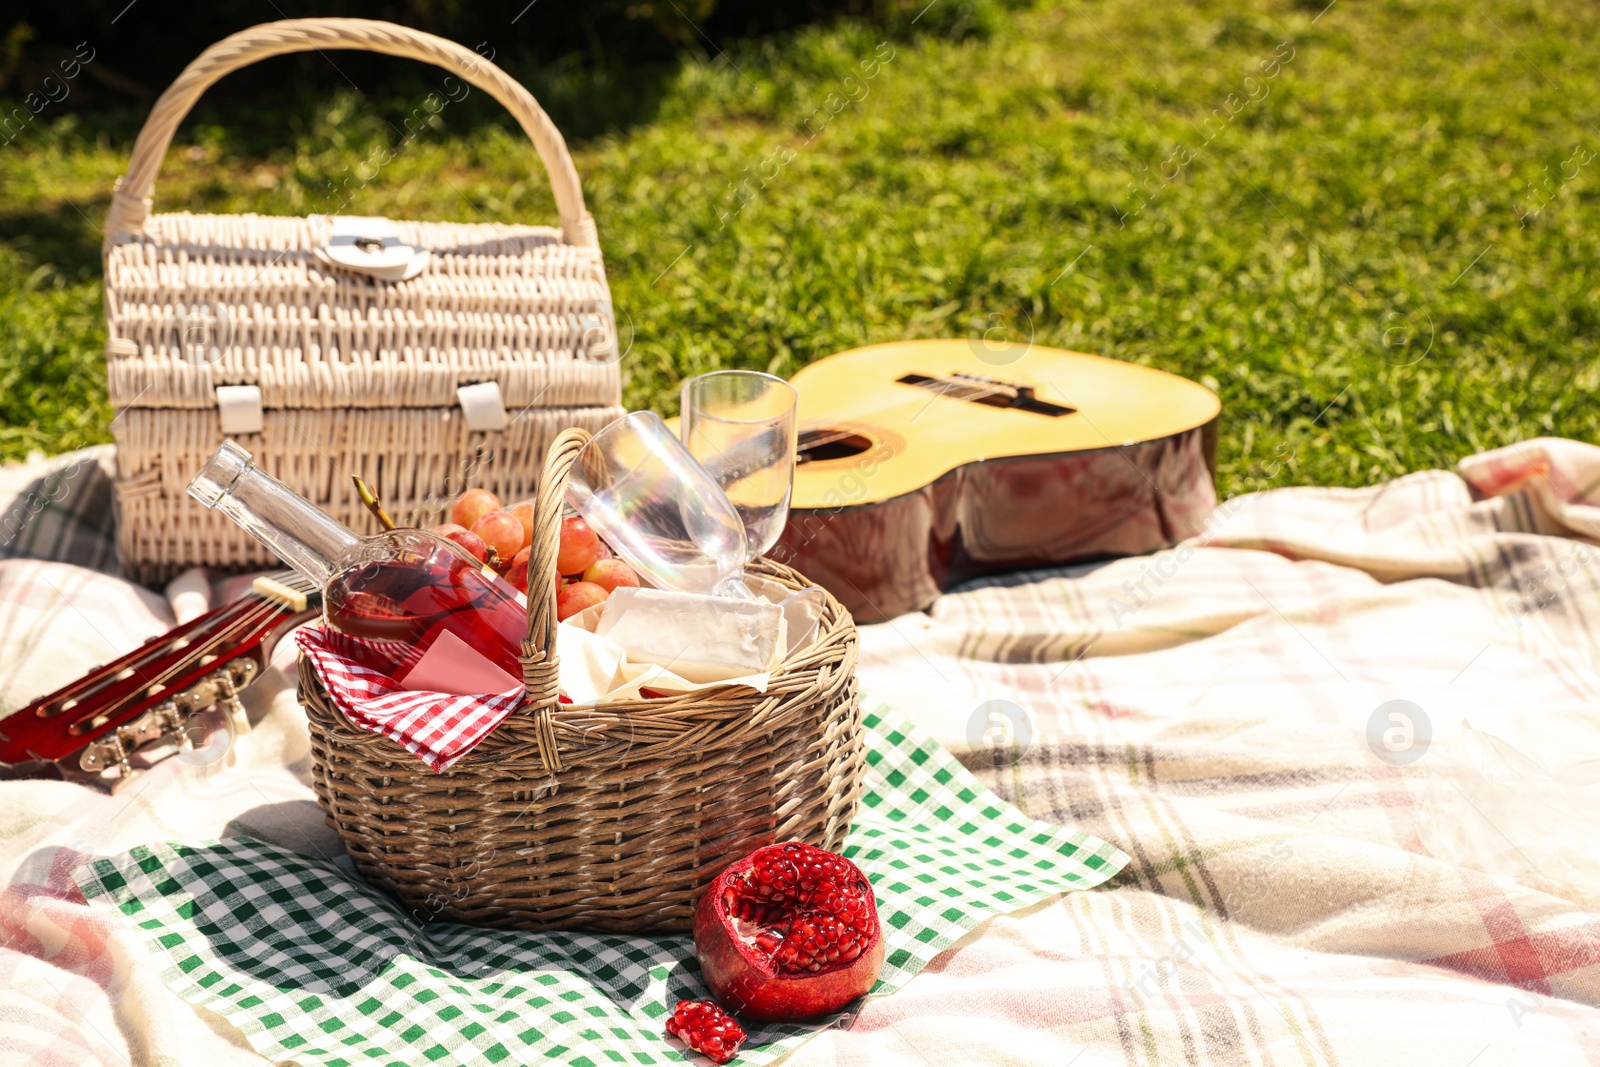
1284 724
60 509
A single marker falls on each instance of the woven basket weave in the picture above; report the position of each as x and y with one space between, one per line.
607 817
356 376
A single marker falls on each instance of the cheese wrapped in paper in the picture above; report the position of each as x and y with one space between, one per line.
699 638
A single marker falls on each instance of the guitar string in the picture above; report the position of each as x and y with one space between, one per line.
251 617
248 619
263 609
973 393
151 651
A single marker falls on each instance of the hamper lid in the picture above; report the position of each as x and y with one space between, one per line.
346 311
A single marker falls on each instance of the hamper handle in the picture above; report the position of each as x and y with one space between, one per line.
539 663
130 203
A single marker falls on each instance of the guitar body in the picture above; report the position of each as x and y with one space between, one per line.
925 463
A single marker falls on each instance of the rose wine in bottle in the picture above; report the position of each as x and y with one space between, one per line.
399 588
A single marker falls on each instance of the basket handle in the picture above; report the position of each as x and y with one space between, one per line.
130 203
539 662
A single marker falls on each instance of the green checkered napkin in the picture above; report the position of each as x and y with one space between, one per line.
316 967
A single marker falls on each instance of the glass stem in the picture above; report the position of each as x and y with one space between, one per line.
734 589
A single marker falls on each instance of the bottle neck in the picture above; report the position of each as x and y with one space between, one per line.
292 527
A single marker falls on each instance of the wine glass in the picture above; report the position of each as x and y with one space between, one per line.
637 485
741 426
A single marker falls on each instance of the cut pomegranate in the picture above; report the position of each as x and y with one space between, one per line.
707 1029
789 932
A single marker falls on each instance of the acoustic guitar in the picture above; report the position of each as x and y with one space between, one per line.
925 463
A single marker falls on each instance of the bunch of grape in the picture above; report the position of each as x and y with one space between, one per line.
502 537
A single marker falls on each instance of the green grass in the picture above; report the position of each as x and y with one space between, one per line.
1344 259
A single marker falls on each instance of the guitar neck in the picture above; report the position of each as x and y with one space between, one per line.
148 694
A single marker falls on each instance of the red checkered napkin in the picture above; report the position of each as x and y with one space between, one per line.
437 728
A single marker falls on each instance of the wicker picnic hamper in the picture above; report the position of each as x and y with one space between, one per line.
608 817
327 372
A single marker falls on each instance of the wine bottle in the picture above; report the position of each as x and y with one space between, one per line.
399 588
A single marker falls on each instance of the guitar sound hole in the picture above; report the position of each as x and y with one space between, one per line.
830 444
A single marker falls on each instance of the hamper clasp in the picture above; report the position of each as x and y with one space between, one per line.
369 245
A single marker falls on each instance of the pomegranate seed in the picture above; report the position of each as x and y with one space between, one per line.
706 1029
808 904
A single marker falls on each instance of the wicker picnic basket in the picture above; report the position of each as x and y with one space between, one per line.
326 372
609 817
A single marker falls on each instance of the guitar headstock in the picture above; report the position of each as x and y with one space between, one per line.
141 704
